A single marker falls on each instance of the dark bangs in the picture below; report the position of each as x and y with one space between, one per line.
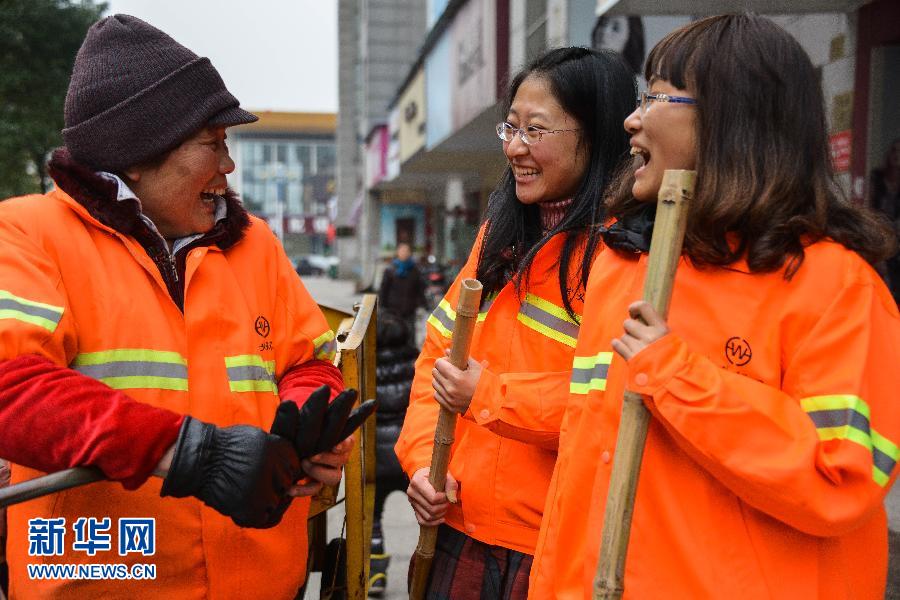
765 187
674 58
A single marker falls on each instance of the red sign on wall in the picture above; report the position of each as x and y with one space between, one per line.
840 143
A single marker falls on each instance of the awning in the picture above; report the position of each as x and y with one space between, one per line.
473 152
702 8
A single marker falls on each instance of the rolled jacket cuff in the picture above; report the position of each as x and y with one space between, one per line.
483 408
651 369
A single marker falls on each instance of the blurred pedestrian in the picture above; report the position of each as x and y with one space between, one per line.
394 369
561 134
885 198
148 326
772 383
402 289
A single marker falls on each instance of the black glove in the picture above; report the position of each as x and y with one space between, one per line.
302 426
319 426
353 422
241 471
335 419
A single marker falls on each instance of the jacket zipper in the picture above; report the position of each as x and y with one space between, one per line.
165 263
170 266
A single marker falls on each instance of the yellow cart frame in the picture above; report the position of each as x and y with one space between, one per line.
355 335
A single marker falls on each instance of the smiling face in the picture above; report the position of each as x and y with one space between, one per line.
178 194
553 168
665 136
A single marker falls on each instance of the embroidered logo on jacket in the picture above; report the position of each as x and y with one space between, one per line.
262 326
737 351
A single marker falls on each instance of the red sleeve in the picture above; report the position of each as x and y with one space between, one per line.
54 418
301 380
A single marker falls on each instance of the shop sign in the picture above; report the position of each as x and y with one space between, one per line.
840 144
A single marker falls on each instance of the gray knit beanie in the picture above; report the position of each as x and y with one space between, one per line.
135 93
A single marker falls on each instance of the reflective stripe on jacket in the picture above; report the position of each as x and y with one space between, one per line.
772 443
506 442
86 296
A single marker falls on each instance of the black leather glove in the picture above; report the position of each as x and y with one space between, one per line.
302 426
241 471
318 426
351 424
335 419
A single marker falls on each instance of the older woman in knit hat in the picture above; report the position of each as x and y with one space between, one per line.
150 325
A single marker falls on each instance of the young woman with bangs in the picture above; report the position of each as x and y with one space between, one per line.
772 385
562 137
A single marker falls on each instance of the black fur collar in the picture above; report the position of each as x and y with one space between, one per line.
632 233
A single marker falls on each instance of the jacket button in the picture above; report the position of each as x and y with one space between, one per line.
485 413
605 456
641 379
470 528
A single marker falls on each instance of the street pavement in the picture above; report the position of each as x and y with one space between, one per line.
336 293
401 531
892 505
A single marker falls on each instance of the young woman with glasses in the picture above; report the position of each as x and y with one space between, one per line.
773 383
562 136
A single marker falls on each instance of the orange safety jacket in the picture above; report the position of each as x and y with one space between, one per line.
772 443
89 297
505 444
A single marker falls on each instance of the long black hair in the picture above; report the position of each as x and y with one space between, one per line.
597 89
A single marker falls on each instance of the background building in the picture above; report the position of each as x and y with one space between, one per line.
377 41
285 172
424 173
438 158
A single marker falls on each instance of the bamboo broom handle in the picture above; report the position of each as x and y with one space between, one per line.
675 193
463 327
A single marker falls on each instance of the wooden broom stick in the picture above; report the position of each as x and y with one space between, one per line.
675 193
463 327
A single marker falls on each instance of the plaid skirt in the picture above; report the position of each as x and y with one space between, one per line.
466 569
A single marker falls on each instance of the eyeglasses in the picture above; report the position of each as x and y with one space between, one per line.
529 135
644 100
